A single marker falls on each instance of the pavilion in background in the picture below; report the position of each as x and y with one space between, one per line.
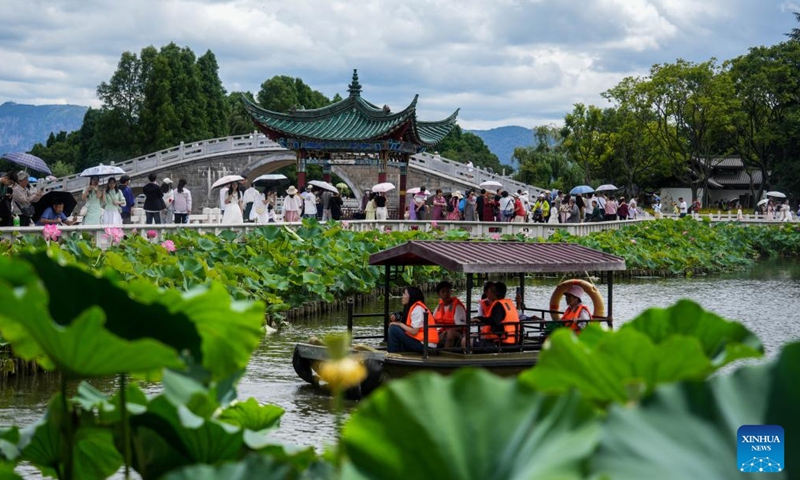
352 131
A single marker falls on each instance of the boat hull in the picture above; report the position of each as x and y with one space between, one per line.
383 366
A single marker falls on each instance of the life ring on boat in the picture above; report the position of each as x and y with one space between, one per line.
588 288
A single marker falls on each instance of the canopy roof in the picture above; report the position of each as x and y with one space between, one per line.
352 119
493 257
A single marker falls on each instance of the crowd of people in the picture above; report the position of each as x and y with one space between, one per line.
505 206
498 319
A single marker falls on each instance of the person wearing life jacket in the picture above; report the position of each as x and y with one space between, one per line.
484 302
502 324
450 311
577 315
407 333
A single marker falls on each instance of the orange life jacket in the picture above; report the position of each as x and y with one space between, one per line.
572 314
445 314
433 334
510 323
484 307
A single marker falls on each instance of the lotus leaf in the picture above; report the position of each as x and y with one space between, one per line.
471 425
252 466
689 430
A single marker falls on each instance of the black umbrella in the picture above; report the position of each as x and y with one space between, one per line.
51 198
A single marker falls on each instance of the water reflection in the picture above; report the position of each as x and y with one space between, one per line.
761 298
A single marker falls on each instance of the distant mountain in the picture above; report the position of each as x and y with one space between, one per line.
503 140
22 126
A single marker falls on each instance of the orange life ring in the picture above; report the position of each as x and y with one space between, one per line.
588 288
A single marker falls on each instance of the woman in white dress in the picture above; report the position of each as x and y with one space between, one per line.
168 194
233 205
113 202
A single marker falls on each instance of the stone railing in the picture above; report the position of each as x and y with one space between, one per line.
183 153
470 175
475 229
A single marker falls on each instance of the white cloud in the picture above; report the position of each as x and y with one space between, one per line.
505 61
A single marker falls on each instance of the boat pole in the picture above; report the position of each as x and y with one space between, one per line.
386 304
468 342
425 335
610 277
350 318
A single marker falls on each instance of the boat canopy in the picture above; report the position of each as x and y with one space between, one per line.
499 257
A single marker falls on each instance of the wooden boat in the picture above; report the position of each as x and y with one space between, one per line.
471 258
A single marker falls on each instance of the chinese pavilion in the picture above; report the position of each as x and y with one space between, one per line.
352 131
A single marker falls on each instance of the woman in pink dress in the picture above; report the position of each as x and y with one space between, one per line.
455 213
439 204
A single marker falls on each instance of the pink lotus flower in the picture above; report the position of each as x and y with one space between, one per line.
169 245
115 234
685 232
434 224
633 241
496 236
51 232
152 234
345 224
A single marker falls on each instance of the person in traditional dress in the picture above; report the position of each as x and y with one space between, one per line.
113 203
292 205
455 213
439 205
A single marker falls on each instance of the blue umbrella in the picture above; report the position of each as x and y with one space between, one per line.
27 160
581 189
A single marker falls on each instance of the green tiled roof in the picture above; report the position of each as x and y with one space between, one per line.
352 119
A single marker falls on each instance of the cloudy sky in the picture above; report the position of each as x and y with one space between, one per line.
503 62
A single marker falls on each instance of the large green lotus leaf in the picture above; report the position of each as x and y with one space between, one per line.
73 290
229 330
257 420
83 348
170 436
252 466
7 472
723 341
615 366
689 430
471 425
44 444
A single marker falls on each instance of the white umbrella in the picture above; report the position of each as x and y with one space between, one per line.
226 180
491 183
102 171
324 185
762 202
606 188
776 194
383 187
412 191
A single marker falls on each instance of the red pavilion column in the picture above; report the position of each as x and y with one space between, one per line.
401 210
301 170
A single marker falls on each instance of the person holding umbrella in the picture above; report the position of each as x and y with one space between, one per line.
54 215
94 197
114 201
22 198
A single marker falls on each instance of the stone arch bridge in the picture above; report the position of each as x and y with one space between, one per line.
201 163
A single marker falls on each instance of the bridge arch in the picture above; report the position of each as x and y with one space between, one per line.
268 164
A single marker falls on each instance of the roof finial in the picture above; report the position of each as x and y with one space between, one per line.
354 88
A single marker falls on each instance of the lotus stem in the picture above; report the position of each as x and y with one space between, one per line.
68 461
126 431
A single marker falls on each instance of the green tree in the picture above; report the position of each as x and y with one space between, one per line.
217 112
546 163
282 93
583 139
239 121
764 113
631 151
692 104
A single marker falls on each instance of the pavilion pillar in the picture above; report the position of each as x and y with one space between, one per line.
326 170
301 170
382 166
401 209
